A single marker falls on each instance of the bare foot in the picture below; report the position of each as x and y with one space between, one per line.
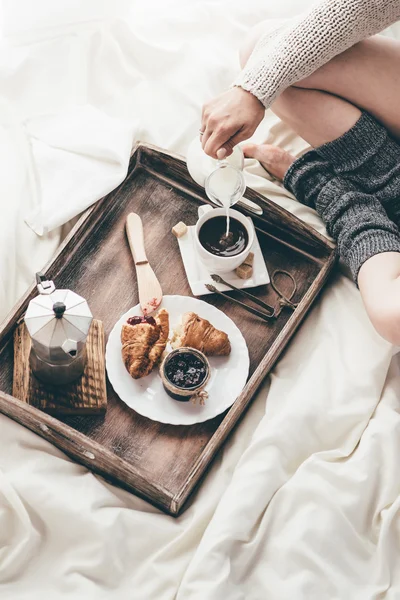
274 160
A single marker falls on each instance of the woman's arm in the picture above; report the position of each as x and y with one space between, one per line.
292 53
311 40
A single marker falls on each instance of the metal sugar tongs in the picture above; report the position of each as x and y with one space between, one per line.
272 311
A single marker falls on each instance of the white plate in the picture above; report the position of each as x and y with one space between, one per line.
198 275
147 395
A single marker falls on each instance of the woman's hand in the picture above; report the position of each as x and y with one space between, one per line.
229 119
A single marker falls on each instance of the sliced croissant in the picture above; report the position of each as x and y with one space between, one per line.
143 344
162 320
196 332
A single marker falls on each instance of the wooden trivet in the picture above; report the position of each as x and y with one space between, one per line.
85 396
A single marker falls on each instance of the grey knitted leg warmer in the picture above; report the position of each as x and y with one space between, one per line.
354 218
370 158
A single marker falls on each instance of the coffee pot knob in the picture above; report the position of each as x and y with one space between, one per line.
59 309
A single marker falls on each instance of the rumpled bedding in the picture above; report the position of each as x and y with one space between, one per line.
303 500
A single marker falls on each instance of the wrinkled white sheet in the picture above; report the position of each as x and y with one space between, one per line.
303 501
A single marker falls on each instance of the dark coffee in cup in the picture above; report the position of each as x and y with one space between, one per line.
213 237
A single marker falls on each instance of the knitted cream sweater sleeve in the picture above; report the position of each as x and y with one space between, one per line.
300 46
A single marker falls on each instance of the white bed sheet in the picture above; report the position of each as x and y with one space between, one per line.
303 501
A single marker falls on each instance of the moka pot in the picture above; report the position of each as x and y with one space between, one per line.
58 322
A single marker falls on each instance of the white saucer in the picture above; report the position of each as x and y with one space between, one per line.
147 395
198 275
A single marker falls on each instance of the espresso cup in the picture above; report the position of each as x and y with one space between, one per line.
222 264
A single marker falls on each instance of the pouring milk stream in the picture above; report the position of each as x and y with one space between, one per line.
223 180
223 184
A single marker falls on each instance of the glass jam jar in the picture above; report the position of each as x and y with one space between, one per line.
185 373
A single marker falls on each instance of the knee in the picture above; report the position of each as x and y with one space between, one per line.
386 320
379 284
265 27
249 43
370 47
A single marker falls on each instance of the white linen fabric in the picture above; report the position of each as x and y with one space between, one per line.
303 500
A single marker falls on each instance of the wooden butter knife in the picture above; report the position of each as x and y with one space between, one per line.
150 292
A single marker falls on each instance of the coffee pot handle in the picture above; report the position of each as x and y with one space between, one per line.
44 285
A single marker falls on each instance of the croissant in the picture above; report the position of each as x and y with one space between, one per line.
143 344
156 351
198 333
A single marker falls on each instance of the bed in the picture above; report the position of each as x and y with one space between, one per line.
303 502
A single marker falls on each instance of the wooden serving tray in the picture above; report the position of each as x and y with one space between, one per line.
161 463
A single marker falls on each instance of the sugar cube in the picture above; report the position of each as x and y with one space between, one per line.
244 271
249 260
179 229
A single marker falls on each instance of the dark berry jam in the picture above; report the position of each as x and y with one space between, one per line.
185 370
144 319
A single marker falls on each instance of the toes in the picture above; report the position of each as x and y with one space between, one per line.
250 150
263 152
275 161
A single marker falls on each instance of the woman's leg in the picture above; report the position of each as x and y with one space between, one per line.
367 75
379 284
315 116
320 117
